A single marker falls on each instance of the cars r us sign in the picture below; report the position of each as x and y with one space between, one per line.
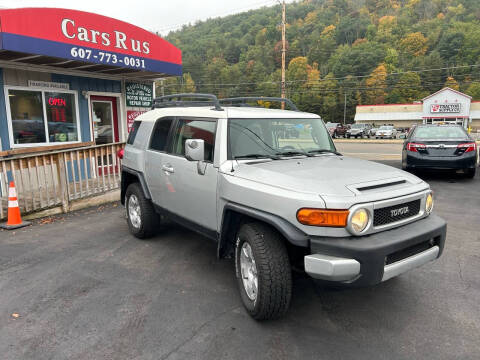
87 37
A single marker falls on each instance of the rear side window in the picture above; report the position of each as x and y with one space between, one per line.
133 132
159 137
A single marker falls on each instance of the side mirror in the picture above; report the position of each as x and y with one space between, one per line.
195 149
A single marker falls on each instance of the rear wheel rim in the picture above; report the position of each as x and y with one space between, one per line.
248 269
134 212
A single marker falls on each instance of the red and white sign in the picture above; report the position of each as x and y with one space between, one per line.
131 116
88 37
445 108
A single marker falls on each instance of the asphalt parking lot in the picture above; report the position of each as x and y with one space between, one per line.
79 286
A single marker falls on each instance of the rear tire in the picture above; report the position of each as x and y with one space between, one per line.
141 216
260 245
470 173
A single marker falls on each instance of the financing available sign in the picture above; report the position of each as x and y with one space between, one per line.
139 95
445 108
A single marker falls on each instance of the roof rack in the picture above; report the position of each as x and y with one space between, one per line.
174 100
242 101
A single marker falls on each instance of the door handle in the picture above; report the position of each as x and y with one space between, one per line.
168 168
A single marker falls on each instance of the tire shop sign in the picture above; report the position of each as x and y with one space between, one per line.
445 108
139 95
131 116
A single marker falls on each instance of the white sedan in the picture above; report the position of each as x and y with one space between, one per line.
386 132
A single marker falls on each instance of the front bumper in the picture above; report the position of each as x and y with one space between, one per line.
371 259
465 161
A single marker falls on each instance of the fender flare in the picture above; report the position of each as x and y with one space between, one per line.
139 175
290 232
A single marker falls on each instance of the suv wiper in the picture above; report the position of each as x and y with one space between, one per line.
322 151
256 156
293 153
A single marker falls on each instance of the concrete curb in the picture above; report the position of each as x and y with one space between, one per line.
109 197
368 141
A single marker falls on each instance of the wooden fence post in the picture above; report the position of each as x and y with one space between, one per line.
63 181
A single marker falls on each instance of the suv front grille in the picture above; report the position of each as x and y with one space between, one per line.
395 213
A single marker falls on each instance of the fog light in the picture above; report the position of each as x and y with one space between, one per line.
359 220
429 203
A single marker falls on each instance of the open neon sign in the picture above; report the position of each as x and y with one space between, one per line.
57 102
57 109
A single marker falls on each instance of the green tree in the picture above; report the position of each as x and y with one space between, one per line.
451 83
414 44
474 91
407 89
376 85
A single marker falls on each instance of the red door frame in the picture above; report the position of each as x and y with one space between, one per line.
115 122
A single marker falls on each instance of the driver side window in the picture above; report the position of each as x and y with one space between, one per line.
203 129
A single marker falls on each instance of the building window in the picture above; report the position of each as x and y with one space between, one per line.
28 123
40 117
61 117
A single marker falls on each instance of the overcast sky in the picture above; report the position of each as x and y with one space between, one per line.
154 15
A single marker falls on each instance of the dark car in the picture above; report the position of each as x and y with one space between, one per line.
440 147
337 129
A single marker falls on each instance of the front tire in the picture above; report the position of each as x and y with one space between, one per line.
263 271
141 216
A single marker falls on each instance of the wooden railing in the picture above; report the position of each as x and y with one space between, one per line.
52 179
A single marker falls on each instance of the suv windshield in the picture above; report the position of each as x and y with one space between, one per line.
358 126
271 138
386 128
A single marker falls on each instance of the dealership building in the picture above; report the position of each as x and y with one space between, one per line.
446 105
72 79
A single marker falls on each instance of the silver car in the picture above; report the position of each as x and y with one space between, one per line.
274 202
386 132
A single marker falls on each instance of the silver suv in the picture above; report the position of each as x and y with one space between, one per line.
274 201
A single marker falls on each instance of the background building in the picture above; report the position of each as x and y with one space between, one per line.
446 105
71 78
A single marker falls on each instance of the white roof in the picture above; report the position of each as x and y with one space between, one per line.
475 114
446 89
228 112
394 116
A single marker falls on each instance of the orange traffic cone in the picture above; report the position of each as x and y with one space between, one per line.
14 218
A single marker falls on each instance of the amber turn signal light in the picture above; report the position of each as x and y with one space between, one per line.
321 217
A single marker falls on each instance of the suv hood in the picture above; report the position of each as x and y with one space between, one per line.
326 175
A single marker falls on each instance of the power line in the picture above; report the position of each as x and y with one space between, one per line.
348 77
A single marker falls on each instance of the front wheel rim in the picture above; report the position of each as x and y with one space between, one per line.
248 269
134 212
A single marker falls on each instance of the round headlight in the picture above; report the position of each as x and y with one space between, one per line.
429 203
359 220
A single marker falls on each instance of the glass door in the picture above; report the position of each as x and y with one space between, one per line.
104 119
102 116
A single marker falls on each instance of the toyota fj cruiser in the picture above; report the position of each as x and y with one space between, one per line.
272 202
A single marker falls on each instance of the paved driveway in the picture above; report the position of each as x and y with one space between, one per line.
83 288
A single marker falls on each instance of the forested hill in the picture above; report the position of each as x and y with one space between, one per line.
374 51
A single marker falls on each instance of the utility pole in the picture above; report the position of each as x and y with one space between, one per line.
345 109
284 49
